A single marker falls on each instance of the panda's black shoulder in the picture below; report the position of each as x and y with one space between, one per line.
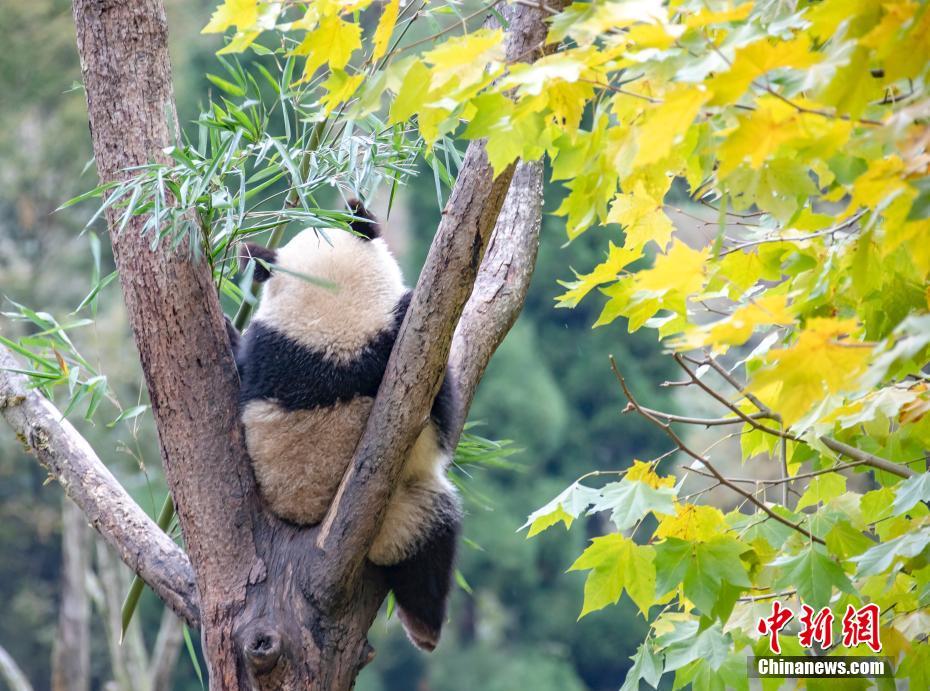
277 367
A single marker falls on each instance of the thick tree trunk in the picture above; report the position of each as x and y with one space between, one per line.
279 607
71 652
176 319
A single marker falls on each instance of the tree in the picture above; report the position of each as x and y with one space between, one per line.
801 127
277 607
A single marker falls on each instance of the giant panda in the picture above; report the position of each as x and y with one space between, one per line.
310 364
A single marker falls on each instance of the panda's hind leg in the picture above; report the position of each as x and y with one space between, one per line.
421 581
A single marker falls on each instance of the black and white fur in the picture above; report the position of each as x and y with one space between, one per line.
310 365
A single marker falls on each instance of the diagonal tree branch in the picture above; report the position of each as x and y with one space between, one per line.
12 673
88 483
420 355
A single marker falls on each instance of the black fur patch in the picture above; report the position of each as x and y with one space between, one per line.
421 583
248 251
368 226
274 366
444 410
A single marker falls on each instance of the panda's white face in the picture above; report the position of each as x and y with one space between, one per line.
339 320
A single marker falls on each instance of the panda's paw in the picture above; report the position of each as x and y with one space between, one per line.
419 632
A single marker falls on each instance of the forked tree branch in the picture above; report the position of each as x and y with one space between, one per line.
260 583
420 355
69 459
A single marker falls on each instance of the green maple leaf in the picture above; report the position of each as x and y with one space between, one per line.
814 574
910 492
630 500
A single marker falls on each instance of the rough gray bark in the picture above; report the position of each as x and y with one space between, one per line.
279 607
89 484
421 352
502 283
71 651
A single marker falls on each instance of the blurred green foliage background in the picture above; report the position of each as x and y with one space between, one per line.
549 389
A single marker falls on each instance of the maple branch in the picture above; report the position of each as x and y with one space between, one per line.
835 445
852 220
68 458
866 458
697 421
718 476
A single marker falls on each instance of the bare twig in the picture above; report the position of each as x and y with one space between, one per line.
502 282
727 404
697 421
12 673
766 596
667 429
852 220
865 458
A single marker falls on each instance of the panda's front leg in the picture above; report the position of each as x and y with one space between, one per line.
417 547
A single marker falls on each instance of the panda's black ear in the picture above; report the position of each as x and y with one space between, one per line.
367 225
248 251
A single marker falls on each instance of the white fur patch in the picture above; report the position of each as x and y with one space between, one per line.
300 456
410 515
337 321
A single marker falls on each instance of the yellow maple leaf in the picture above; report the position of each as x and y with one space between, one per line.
642 217
605 272
465 57
665 124
559 515
759 135
239 13
332 42
385 29
707 17
692 522
754 60
643 472
879 184
340 87
821 362
736 329
680 271
250 17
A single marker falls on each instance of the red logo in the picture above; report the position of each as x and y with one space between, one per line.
775 623
859 626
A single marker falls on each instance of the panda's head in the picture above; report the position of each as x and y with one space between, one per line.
331 292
